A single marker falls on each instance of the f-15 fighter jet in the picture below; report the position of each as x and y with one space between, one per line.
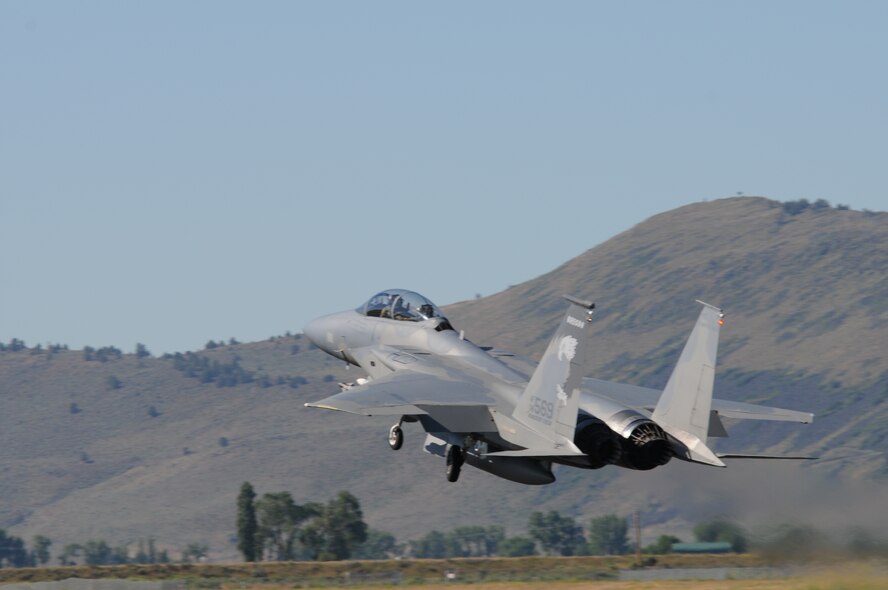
515 418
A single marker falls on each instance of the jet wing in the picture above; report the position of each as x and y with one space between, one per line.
420 384
646 399
406 393
520 364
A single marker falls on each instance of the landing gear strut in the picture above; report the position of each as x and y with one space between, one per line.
396 437
455 460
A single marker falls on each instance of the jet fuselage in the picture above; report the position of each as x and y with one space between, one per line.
513 417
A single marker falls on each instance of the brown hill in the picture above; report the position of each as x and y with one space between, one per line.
806 297
163 454
804 293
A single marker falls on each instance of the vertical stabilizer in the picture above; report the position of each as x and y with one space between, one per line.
550 402
686 402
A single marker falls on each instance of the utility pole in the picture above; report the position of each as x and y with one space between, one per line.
637 519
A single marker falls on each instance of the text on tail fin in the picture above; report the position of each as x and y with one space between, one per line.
550 401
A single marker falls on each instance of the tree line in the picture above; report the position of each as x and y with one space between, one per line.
14 552
18 345
275 528
796 207
191 364
103 354
548 533
226 374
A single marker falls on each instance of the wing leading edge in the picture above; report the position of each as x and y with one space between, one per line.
405 393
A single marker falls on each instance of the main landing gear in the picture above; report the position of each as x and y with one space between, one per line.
396 437
455 458
455 455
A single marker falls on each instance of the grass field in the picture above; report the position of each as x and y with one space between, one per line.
531 573
408 571
859 578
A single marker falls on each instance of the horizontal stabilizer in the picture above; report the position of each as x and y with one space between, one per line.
646 399
743 411
741 456
695 450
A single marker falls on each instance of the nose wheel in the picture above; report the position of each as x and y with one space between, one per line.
455 458
396 437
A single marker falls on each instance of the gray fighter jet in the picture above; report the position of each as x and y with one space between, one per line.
515 418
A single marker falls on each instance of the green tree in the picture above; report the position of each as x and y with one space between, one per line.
474 541
607 535
556 534
141 554
662 545
194 552
338 529
247 526
142 351
152 551
432 546
16 345
516 547
97 552
722 531
70 554
379 545
40 548
119 555
12 551
279 519
795 207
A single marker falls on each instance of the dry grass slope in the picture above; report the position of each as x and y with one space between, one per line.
807 308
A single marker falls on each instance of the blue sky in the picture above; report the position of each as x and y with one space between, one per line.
172 173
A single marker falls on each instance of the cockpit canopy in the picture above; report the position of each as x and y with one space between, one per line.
400 304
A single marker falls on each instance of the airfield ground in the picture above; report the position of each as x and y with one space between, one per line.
849 581
533 573
857 582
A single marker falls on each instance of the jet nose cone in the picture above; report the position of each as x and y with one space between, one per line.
315 332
